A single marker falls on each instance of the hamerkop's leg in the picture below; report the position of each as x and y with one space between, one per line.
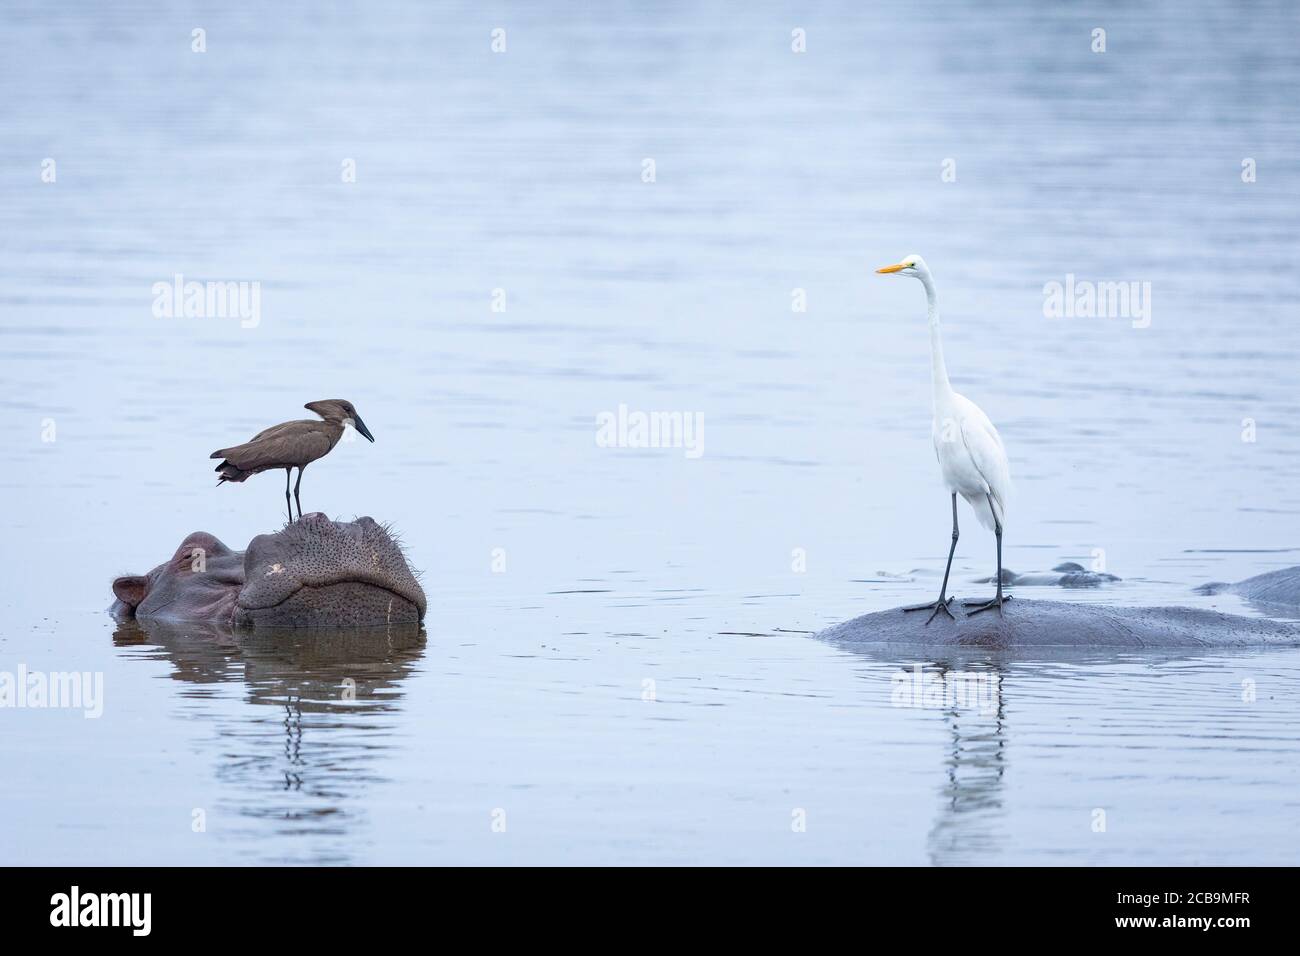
296 485
287 505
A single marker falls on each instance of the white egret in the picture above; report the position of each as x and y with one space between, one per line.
970 451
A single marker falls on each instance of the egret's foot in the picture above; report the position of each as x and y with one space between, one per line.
937 606
984 606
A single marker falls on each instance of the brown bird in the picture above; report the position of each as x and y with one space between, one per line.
291 445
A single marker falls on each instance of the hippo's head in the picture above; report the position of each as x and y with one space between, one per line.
318 572
199 583
314 573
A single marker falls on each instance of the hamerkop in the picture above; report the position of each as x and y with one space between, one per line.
291 445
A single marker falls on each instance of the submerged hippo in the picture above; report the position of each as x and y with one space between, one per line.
1067 575
1026 623
314 573
1275 587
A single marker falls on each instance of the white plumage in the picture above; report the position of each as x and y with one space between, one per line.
974 461
971 455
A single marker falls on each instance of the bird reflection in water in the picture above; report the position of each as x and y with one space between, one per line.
292 743
329 699
966 691
966 828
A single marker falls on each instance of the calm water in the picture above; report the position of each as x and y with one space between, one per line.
635 681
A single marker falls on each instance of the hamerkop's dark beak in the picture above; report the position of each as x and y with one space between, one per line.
360 426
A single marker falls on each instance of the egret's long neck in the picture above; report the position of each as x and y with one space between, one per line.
938 371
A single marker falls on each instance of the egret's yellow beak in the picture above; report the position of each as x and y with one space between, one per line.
893 268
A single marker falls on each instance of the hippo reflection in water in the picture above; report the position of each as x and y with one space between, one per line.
314 573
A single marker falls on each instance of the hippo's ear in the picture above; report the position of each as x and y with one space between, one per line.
130 588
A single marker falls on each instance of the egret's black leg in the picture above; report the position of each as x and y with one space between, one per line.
296 485
998 598
943 602
288 507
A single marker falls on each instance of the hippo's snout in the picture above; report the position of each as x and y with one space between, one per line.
346 604
318 572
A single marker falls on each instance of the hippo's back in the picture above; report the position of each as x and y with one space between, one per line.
1061 624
